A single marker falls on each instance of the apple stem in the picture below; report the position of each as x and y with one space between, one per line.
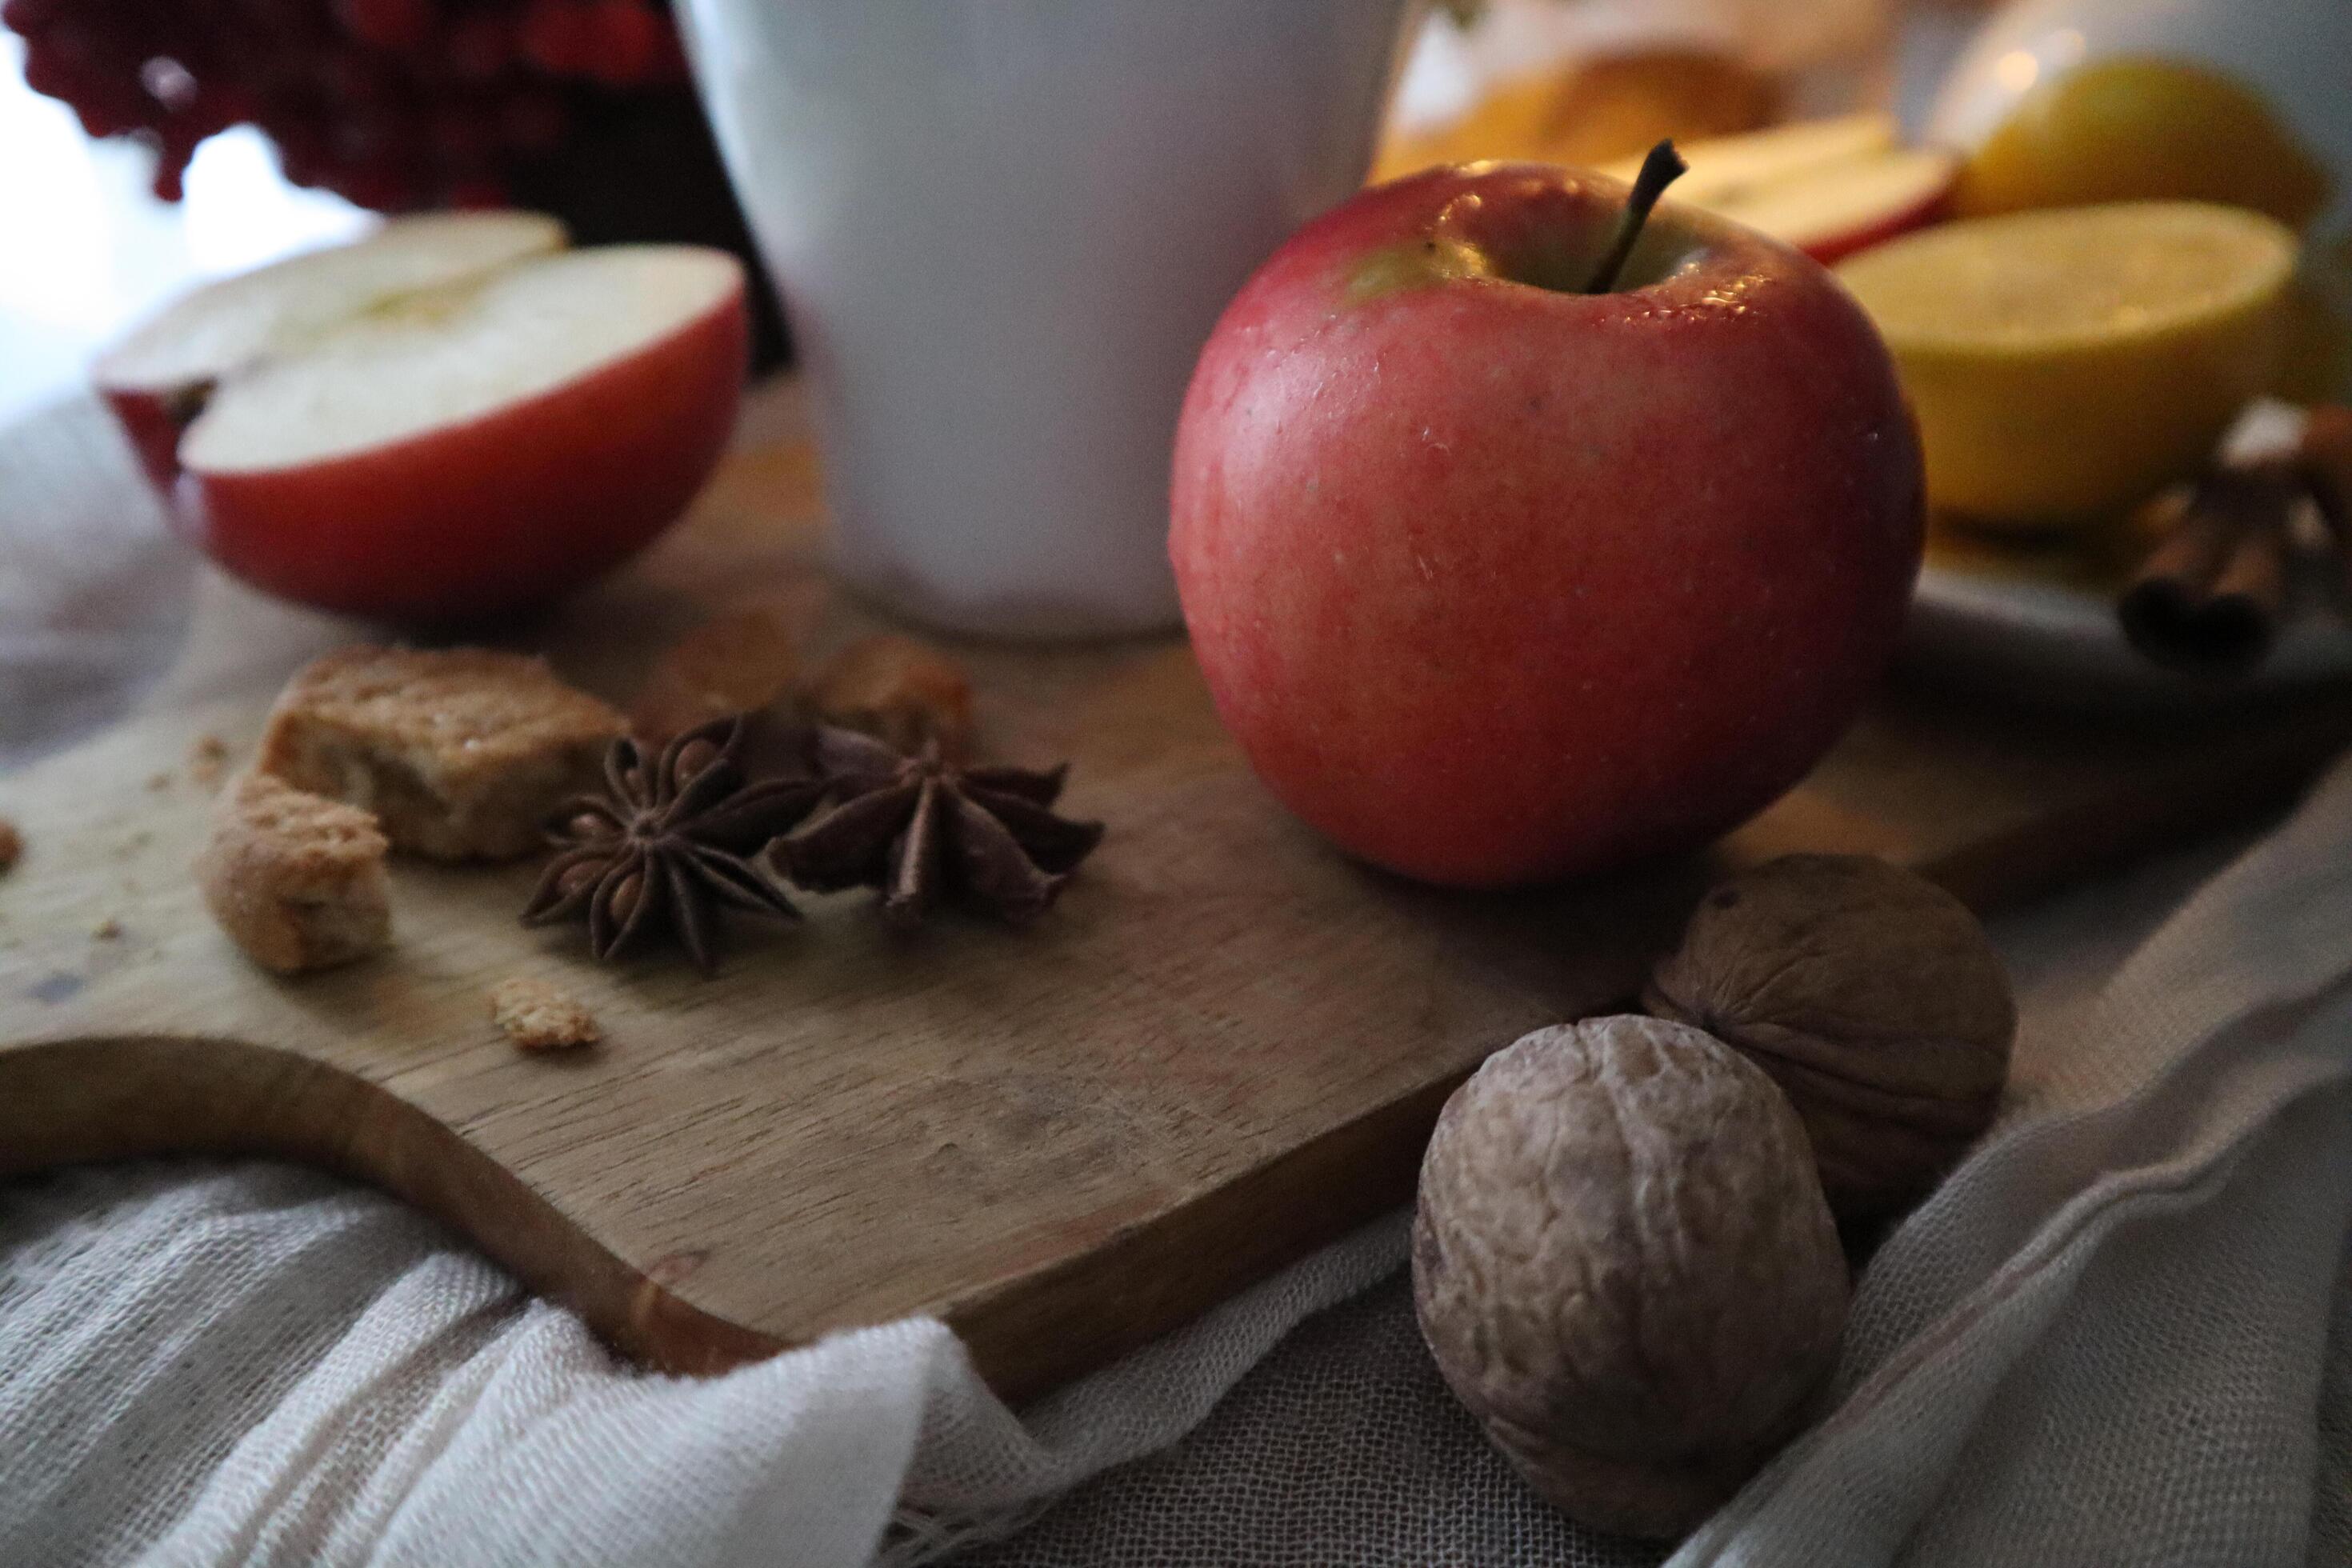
1662 168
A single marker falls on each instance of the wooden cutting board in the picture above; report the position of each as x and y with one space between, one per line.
1225 1046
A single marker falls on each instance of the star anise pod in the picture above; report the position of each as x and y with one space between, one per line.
918 828
670 841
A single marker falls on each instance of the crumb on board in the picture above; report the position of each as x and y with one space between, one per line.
107 930
12 845
295 880
538 1017
159 782
207 759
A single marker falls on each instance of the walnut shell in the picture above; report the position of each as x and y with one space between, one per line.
1874 1000
1624 1264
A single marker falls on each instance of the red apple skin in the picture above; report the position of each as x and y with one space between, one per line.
1496 584
507 511
1831 250
149 422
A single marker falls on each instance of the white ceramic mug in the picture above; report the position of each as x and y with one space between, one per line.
1002 229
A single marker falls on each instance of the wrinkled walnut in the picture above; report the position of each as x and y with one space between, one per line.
1625 1268
1874 1000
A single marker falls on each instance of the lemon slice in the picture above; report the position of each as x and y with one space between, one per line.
2066 365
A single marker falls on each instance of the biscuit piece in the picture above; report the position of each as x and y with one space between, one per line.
736 663
460 753
12 845
900 692
538 1017
295 880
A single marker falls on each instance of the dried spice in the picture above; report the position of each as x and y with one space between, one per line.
920 828
670 842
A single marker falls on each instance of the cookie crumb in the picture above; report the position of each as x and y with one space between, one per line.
295 880
538 1017
12 845
207 759
107 930
159 782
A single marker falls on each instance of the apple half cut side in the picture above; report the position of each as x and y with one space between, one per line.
1830 187
477 449
156 378
1849 207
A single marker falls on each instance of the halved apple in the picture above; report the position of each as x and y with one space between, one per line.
452 451
153 378
1830 187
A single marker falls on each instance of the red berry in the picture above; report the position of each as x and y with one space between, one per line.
624 38
223 104
473 195
668 67
557 37
478 45
172 151
28 17
461 134
398 25
376 136
48 72
353 79
532 123
378 187
104 112
302 155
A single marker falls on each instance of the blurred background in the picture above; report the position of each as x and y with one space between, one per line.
146 143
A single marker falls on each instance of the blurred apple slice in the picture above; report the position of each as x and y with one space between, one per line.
1830 187
1841 208
458 451
155 377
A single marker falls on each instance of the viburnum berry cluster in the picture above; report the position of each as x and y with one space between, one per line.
393 104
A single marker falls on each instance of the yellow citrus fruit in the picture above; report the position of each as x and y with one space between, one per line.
2135 128
2066 365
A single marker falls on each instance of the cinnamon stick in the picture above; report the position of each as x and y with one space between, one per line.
2209 598
2323 459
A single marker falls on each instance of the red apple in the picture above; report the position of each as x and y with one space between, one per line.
1830 187
456 450
170 364
1496 580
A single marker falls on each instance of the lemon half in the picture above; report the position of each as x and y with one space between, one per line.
2066 365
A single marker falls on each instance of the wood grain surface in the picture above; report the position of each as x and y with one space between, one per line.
1225 1046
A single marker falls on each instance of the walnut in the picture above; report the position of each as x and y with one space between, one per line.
1625 1266
1874 1000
